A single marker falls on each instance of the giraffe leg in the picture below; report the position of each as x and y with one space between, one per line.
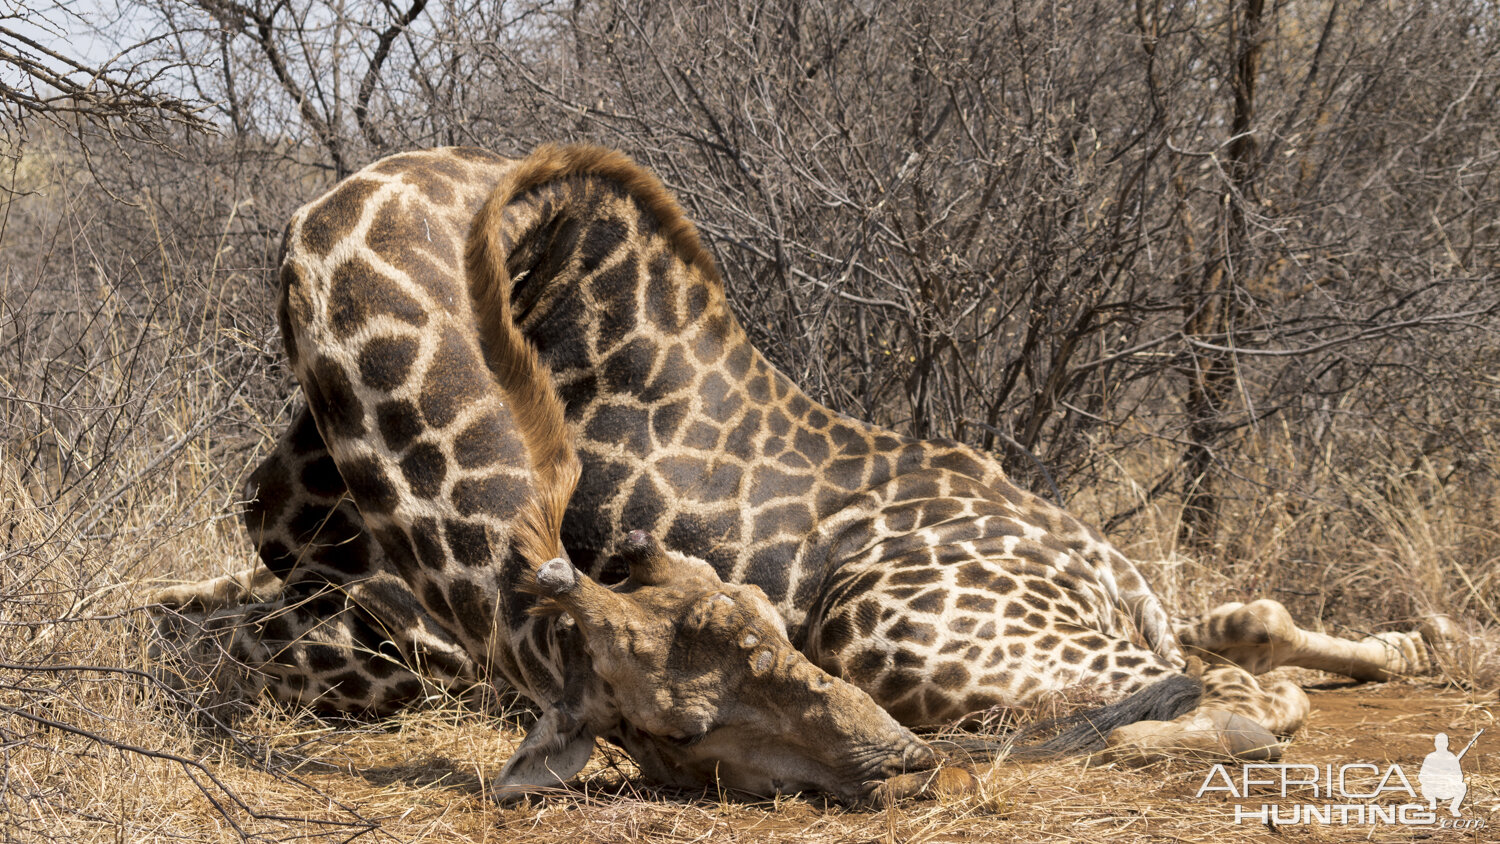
1241 714
320 649
322 622
300 517
250 585
1261 635
1278 704
1238 717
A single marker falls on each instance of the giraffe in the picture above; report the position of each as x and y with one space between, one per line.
447 436
911 572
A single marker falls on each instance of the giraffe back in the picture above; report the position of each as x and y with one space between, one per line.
446 463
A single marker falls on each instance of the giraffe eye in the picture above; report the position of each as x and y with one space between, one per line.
687 739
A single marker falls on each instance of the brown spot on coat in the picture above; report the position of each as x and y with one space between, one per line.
333 401
455 377
357 291
370 485
336 216
424 468
950 676
385 362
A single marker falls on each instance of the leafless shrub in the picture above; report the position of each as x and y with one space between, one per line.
126 388
1171 238
114 101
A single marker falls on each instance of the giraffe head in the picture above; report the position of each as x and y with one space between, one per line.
707 689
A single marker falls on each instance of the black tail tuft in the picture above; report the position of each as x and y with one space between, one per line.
1085 732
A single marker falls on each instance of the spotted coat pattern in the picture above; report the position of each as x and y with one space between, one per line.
911 568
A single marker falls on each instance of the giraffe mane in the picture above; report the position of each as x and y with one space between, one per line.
534 403
557 162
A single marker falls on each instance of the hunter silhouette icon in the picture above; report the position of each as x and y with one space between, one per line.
1442 777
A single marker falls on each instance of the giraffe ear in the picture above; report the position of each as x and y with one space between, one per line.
556 747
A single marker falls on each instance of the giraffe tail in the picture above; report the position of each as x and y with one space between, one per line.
1086 732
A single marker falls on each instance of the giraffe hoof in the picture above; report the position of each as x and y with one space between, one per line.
244 586
1439 632
942 783
204 596
170 597
1405 655
1204 733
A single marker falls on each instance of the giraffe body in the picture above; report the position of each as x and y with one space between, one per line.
904 572
881 552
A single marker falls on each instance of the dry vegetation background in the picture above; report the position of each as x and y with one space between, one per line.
1221 276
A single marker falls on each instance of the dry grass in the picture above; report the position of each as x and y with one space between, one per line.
135 395
421 777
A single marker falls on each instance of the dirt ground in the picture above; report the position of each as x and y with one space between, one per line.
423 778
